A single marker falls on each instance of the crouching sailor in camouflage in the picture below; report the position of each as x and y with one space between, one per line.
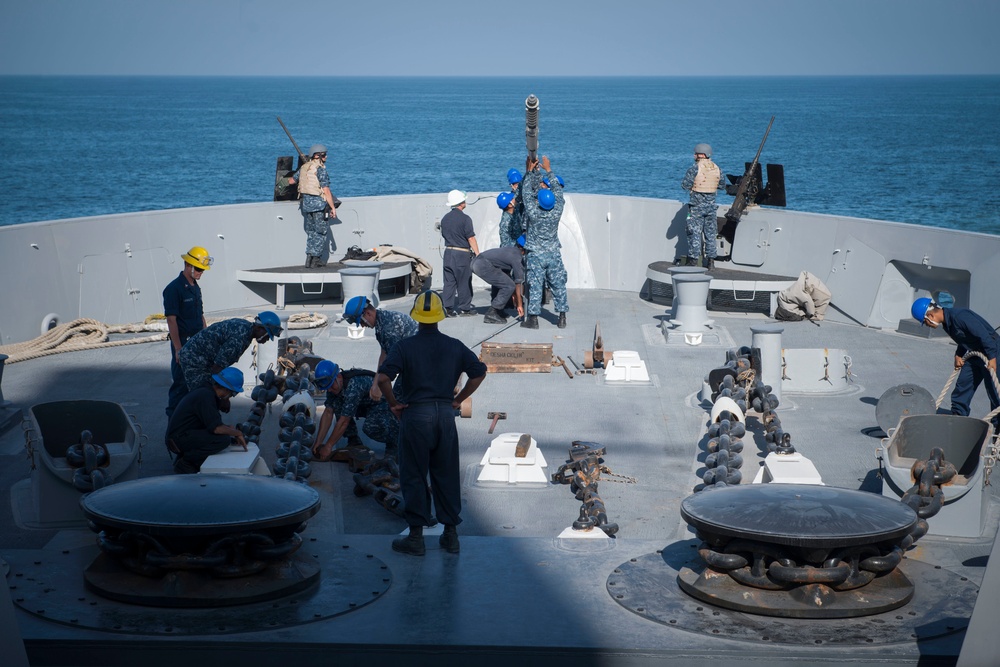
390 327
543 207
316 205
348 398
703 178
222 344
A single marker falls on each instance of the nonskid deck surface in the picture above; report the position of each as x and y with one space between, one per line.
515 584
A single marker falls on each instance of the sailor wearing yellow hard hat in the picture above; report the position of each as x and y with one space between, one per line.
185 313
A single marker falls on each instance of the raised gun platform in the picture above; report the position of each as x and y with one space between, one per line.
282 276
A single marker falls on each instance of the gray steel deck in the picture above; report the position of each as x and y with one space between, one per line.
516 592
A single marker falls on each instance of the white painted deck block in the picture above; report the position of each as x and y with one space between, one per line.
572 533
234 461
501 465
787 469
626 366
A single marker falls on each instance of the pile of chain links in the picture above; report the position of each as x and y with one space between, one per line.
298 429
725 445
582 471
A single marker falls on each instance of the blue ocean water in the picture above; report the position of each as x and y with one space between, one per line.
923 150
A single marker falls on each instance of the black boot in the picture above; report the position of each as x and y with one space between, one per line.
494 316
412 544
530 322
690 261
310 260
449 540
318 263
562 321
709 263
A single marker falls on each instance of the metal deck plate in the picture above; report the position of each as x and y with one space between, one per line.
51 586
647 586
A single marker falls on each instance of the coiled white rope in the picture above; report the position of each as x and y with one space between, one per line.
88 334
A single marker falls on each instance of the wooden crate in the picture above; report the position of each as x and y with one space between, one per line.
517 357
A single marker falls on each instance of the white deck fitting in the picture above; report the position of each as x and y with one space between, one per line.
234 461
626 366
571 533
787 469
501 465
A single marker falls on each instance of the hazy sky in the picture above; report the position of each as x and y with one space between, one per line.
471 37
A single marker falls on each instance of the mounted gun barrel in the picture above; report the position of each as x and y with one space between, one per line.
743 195
531 126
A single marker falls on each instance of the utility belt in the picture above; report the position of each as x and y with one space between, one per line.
452 247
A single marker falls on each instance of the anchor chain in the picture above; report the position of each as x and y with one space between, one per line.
90 460
773 567
582 471
617 477
725 446
926 496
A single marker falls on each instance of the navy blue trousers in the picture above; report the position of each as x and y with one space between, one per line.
178 388
428 445
969 378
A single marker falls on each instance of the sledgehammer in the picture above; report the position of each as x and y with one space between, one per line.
495 416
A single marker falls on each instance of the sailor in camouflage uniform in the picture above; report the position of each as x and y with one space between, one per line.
511 220
508 237
390 328
543 208
222 344
317 204
703 178
348 396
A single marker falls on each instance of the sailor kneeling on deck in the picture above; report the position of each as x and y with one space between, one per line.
348 398
195 430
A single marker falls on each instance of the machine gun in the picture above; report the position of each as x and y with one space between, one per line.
744 191
531 126
749 189
283 190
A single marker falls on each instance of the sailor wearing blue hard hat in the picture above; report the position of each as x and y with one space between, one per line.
543 207
195 430
390 327
222 344
971 333
348 398
509 229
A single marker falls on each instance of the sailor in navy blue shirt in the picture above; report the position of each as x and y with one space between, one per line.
971 333
430 364
185 313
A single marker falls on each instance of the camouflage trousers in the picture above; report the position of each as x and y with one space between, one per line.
382 426
197 368
546 267
702 223
317 228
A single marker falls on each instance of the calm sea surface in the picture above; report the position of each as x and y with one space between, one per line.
924 150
